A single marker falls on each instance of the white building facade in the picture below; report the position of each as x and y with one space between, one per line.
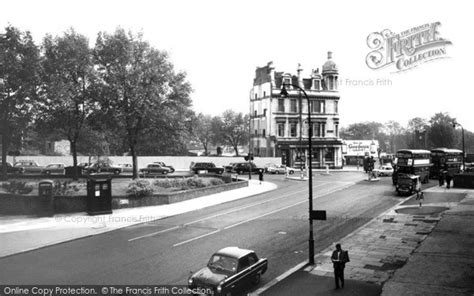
279 125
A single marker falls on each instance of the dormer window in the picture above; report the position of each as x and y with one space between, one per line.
287 82
316 84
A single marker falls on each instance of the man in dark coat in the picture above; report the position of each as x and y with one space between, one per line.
449 177
339 258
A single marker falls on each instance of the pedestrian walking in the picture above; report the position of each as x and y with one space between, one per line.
339 259
420 197
448 180
260 175
441 178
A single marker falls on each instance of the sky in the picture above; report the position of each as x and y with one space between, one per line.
220 43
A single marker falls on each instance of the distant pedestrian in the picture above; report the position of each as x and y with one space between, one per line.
260 175
441 178
339 259
448 180
420 197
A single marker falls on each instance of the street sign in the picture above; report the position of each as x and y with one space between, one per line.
318 215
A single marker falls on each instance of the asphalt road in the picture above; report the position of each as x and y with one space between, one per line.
274 224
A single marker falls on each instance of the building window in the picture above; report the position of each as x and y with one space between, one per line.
255 112
292 129
263 133
318 106
336 130
293 107
256 133
287 82
281 129
264 112
316 84
264 94
329 156
336 107
281 105
319 129
255 96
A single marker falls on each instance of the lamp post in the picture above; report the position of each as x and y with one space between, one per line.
463 150
284 93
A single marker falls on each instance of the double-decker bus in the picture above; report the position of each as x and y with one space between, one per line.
444 159
413 162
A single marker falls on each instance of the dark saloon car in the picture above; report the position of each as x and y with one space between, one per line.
244 167
229 271
206 167
11 169
100 167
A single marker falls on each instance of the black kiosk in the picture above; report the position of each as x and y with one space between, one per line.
99 194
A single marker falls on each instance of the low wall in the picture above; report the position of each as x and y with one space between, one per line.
465 180
12 204
178 162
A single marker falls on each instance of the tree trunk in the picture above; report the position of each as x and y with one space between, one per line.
236 149
134 162
75 175
5 144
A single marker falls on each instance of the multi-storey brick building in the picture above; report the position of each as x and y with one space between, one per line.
278 125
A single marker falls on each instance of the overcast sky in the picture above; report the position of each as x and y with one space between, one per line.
220 43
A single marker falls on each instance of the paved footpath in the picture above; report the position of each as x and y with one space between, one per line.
408 250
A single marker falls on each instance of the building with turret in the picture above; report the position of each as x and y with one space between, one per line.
279 125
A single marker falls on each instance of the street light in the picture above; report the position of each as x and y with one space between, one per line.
284 93
463 151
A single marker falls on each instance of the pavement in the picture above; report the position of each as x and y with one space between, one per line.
411 249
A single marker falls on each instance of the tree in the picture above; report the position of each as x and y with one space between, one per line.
362 131
19 64
203 130
417 130
68 86
141 93
231 129
441 132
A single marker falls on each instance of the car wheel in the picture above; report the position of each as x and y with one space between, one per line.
48 172
256 279
172 171
291 172
116 172
240 172
165 172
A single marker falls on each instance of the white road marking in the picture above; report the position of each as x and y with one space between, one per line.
258 217
195 238
154 233
221 214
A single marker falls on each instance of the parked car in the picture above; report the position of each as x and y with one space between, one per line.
164 165
272 168
384 170
155 168
244 167
11 169
228 168
229 271
28 167
126 167
206 167
54 168
101 167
